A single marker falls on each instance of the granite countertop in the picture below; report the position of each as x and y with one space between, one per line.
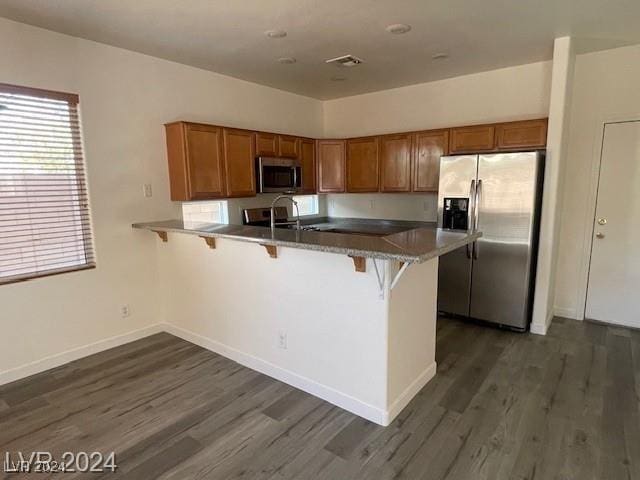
411 244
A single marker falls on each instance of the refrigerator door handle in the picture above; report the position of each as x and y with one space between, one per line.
476 204
471 215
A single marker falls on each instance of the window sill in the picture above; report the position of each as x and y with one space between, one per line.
27 277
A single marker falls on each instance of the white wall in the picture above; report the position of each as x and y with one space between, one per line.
412 332
557 141
125 98
391 206
513 93
605 88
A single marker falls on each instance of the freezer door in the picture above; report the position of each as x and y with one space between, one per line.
507 199
457 180
456 174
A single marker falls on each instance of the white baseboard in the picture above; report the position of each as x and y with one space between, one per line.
58 359
342 400
538 329
405 397
566 313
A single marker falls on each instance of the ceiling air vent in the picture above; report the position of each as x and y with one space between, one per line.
345 61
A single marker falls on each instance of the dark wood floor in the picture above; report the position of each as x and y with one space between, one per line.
502 406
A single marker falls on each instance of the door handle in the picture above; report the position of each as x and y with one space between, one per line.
471 214
476 204
476 246
600 235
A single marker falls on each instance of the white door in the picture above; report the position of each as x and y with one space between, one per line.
614 276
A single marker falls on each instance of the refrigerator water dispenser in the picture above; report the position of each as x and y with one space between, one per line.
455 214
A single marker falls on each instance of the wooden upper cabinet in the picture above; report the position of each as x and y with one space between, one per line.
288 147
525 134
331 166
363 165
196 169
479 138
395 163
239 160
208 162
266 144
308 161
428 147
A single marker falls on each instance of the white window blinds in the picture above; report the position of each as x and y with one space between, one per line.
44 214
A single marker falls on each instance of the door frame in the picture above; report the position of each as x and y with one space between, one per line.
592 200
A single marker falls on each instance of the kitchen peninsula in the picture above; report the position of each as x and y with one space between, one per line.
349 318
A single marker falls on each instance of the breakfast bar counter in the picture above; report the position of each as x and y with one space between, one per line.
411 245
363 340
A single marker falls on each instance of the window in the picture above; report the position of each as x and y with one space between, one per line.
307 204
44 214
205 212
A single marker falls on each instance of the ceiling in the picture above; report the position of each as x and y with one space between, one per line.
227 36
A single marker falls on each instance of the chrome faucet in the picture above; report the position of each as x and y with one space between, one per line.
273 212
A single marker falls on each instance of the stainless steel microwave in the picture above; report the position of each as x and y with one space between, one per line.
278 175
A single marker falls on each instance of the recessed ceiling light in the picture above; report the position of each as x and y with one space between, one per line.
287 60
338 79
275 33
398 28
440 56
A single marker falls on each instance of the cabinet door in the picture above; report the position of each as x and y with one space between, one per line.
479 138
395 163
288 146
308 160
427 150
195 161
239 159
331 166
519 135
362 165
266 144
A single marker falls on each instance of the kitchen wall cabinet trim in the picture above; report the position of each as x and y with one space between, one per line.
428 147
363 165
395 162
476 138
308 161
524 134
330 156
288 146
195 156
266 144
239 160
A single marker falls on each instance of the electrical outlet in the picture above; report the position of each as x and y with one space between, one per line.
372 204
124 311
148 192
282 340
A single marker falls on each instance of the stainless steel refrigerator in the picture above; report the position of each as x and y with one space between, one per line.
500 195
